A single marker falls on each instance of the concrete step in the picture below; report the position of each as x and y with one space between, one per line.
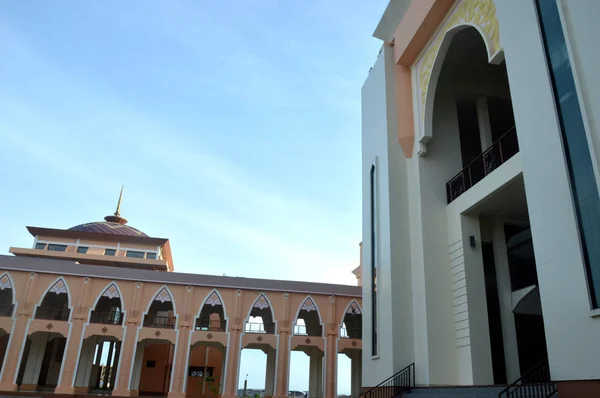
460 392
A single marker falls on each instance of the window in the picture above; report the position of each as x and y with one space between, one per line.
151 256
584 188
57 248
110 252
40 246
82 249
134 254
373 213
151 364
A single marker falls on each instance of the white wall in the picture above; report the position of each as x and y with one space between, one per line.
571 333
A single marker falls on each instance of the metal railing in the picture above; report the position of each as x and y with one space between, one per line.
54 314
489 160
351 333
401 382
162 322
213 326
251 327
535 383
6 309
302 330
107 317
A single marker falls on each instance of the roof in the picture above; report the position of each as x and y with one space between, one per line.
392 16
93 235
62 267
111 228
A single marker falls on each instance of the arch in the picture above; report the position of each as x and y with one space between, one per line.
51 305
477 14
261 303
163 295
57 288
352 308
204 319
7 304
6 282
309 305
354 330
111 291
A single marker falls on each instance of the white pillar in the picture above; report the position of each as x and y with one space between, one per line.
509 331
137 366
315 382
86 359
35 358
356 373
271 368
485 129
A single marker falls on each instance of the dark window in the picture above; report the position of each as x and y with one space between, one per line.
196 371
82 249
577 151
134 254
151 256
57 248
150 364
40 246
209 371
110 252
373 263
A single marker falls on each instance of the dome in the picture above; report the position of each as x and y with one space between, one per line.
109 228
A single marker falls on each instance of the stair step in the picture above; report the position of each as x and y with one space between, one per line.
458 392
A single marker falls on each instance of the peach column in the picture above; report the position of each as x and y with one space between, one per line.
233 348
283 351
18 336
66 378
129 345
331 353
182 349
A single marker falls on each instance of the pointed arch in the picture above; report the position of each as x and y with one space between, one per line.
6 282
212 314
351 323
106 309
51 305
259 309
161 311
7 295
163 295
308 306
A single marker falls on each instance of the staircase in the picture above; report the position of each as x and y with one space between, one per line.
454 392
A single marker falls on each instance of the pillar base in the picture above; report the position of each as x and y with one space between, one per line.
124 393
8 387
28 387
64 390
176 395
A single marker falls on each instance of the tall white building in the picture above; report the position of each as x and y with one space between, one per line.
481 206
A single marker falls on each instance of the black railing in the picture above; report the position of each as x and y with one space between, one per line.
6 309
213 326
401 382
54 314
499 152
251 327
535 383
107 317
162 322
351 333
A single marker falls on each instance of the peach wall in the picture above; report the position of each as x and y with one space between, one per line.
153 379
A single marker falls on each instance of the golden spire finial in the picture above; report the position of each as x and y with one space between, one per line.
118 212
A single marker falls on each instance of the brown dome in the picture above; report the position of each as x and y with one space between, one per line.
109 228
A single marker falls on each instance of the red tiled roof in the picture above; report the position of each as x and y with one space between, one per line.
109 228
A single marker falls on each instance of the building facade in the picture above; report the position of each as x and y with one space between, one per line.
481 212
96 309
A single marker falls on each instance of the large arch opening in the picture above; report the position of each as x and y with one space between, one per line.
153 366
98 364
41 362
108 308
206 368
6 296
308 320
55 305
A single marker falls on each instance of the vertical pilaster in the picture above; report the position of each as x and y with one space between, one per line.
509 331
283 351
331 352
271 370
137 368
315 380
233 349
66 378
356 373
182 350
82 379
115 364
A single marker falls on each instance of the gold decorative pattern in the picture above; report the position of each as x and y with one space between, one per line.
480 13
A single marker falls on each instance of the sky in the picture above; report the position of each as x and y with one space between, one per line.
234 126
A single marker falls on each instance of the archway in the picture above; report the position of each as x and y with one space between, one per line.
350 358
212 314
6 296
108 308
55 304
206 368
41 361
98 364
161 312
308 320
153 366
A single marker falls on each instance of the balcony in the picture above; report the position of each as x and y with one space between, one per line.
53 314
302 330
268 328
162 322
6 310
351 333
213 326
107 317
497 154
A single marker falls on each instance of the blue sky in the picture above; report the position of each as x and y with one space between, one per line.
234 126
